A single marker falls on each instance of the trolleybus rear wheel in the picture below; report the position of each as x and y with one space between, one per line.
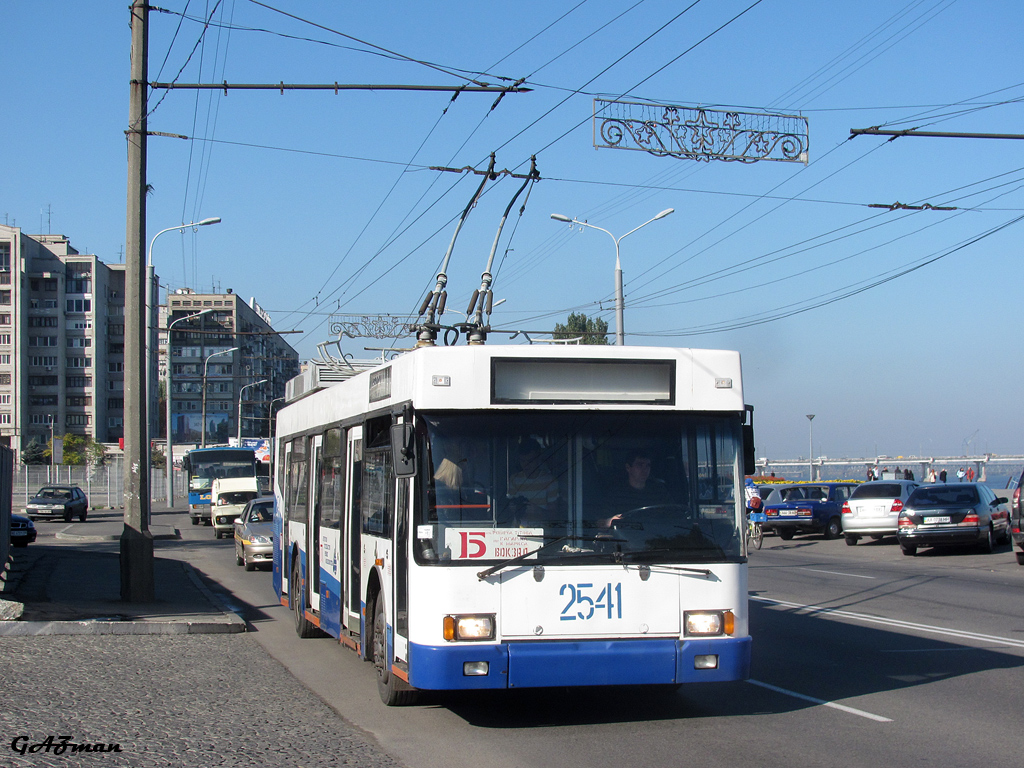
303 627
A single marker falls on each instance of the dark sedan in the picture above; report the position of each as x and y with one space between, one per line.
23 531
807 508
953 514
63 501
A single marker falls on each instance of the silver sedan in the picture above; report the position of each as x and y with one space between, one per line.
254 534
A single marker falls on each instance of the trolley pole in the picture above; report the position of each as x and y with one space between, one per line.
136 540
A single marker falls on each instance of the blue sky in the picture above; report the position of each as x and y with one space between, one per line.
328 203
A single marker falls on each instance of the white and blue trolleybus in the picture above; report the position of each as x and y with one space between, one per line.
493 517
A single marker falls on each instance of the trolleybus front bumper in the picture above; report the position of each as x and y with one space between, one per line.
538 664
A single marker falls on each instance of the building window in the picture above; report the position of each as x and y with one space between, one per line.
49 303
41 381
5 399
115 367
5 319
5 338
116 348
73 381
115 386
78 286
79 305
83 326
41 418
79 362
115 330
74 342
115 403
5 418
5 359
78 420
50 285
49 360
42 400
42 341
35 322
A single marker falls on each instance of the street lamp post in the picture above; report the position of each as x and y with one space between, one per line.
169 460
620 333
810 447
240 391
206 368
148 373
270 417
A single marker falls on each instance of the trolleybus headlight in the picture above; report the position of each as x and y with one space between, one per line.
469 627
709 623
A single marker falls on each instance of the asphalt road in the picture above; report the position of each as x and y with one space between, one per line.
862 657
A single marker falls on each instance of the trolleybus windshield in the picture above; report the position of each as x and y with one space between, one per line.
617 486
206 465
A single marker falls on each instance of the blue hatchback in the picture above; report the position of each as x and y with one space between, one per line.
807 508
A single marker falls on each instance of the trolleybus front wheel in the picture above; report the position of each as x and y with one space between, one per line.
388 686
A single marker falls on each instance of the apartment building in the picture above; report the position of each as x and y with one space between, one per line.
228 345
62 341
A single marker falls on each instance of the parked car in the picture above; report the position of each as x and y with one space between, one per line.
1017 520
807 508
950 514
873 509
23 531
254 534
63 501
228 497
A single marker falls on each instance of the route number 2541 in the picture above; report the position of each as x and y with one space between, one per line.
609 601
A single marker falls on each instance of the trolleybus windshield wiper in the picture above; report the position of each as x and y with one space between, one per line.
519 558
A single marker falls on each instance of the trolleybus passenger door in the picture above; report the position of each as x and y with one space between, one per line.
353 529
313 529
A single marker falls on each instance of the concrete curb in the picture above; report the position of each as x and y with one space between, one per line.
157 531
190 624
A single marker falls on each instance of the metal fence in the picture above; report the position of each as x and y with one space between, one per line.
104 485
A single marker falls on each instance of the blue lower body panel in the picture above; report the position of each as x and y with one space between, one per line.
583 662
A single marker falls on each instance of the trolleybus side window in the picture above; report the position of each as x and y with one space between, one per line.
378 485
332 479
298 480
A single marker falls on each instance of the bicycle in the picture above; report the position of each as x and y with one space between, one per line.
755 530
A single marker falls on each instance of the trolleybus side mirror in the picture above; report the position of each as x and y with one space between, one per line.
403 454
749 466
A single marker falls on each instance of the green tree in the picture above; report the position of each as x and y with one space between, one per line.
593 330
35 453
156 458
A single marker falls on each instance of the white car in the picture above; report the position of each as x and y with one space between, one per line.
873 509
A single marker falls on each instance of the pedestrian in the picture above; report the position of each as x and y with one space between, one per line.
942 475
970 474
871 474
960 475
931 474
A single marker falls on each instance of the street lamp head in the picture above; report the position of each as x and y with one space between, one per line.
560 217
664 213
205 222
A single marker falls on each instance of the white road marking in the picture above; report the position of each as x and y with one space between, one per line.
869 619
838 573
822 702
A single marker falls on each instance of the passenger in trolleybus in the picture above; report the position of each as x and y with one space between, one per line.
533 490
593 495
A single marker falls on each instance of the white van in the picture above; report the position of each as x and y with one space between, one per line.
228 498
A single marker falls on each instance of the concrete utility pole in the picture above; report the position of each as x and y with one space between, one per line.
136 539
